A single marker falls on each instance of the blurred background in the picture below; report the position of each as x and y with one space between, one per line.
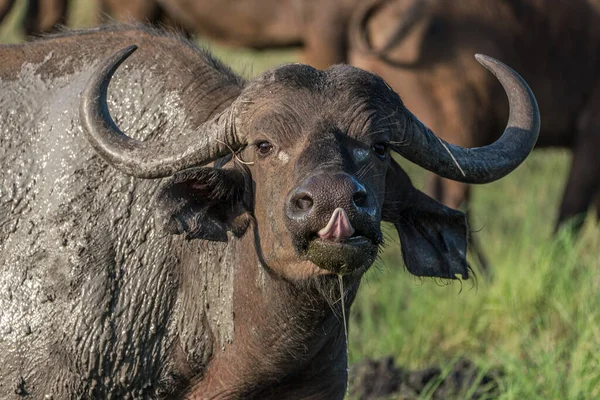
530 325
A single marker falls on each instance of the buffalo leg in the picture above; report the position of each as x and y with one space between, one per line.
5 7
44 16
326 40
145 11
584 179
582 185
451 193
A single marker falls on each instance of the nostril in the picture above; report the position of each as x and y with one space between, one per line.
360 198
303 202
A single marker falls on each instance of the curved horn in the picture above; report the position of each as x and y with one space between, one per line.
213 139
479 164
409 18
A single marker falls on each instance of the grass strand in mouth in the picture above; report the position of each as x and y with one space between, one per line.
343 305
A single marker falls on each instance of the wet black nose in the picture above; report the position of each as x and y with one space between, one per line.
322 193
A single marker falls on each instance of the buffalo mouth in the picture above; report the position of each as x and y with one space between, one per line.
342 258
344 245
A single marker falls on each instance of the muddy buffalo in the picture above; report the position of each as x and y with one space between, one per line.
180 233
423 49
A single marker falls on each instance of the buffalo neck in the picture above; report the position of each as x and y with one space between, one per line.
288 338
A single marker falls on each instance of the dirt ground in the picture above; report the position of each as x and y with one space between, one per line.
382 379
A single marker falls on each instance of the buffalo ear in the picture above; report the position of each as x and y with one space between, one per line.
205 203
433 237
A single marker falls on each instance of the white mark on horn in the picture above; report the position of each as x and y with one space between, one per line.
453 158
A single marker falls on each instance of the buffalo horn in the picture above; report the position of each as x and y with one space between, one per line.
420 145
142 159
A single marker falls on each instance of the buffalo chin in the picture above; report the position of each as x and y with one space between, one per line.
342 258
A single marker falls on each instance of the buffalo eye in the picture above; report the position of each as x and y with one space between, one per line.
264 148
380 149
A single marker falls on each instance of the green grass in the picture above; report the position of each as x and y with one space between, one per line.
539 319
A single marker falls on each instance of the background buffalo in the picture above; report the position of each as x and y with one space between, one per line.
418 45
319 28
537 319
555 45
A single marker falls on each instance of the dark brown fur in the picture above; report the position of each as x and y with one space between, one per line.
553 44
197 285
320 28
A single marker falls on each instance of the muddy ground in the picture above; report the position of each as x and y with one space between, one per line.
382 379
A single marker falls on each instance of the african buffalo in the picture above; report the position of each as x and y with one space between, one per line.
320 28
180 233
140 11
5 8
423 49
41 16
44 16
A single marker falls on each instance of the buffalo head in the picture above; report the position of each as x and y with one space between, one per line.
317 177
